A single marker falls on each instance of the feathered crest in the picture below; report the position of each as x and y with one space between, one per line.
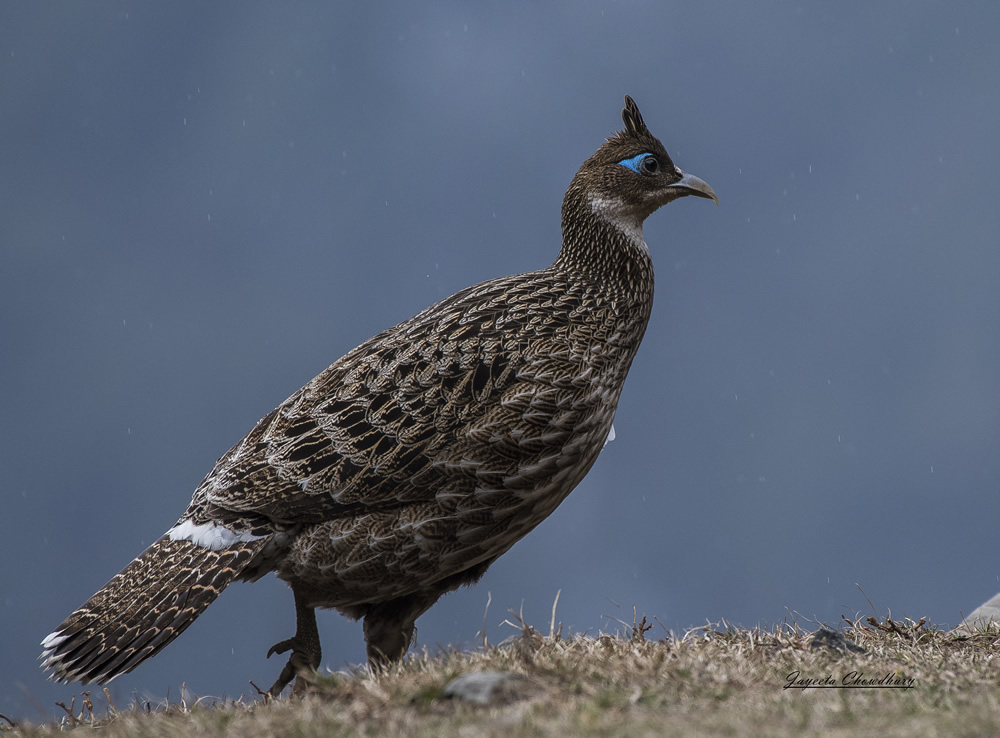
635 127
633 119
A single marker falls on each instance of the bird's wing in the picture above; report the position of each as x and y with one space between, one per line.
471 393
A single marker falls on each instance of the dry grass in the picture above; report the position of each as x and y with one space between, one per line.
711 681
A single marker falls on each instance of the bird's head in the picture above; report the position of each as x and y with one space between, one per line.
632 175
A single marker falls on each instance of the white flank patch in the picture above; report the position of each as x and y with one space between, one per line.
611 436
209 535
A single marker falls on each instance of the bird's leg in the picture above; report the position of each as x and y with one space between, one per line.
386 643
389 626
389 630
306 651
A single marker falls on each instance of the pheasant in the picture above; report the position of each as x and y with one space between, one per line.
412 463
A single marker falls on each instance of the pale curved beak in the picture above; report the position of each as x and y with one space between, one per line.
696 186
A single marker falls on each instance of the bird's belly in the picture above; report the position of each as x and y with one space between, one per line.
383 555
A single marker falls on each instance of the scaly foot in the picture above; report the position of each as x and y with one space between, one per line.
306 653
301 667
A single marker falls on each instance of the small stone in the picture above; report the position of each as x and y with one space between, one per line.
834 640
987 615
482 687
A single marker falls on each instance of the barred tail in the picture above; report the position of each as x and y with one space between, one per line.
143 608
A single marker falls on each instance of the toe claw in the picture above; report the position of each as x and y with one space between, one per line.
280 647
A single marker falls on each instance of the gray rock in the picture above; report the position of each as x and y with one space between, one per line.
984 616
834 640
483 687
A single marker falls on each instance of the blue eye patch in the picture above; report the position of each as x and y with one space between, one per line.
635 163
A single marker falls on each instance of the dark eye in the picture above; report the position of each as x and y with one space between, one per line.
644 163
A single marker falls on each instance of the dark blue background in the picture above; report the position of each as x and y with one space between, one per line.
202 205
